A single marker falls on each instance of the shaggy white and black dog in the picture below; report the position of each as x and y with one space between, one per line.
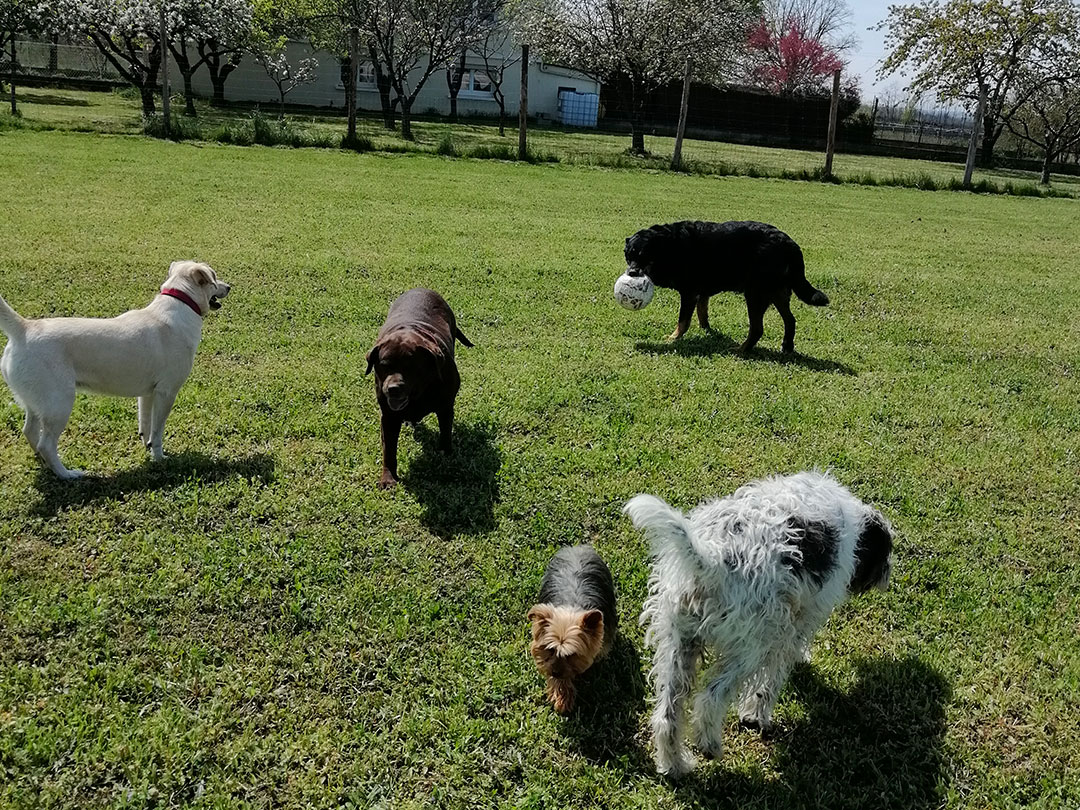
750 577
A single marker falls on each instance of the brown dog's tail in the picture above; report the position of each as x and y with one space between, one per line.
461 337
11 322
807 292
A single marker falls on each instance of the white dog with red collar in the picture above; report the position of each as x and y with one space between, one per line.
146 353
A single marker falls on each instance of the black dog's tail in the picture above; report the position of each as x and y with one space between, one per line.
461 336
807 292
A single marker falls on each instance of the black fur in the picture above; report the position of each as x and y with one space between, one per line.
578 577
872 555
700 259
817 547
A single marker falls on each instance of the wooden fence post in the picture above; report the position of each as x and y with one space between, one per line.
834 107
973 144
523 106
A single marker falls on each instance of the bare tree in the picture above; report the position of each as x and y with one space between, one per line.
414 38
495 45
963 50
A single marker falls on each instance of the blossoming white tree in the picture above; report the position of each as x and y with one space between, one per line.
219 30
648 42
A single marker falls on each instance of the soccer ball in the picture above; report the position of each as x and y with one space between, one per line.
634 292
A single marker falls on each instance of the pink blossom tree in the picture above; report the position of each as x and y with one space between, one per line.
796 45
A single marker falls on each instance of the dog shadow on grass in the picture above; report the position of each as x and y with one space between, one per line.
605 722
707 344
57 495
458 490
879 744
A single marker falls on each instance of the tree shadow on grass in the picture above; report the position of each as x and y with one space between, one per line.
57 495
712 343
878 745
458 490
50 98
604 724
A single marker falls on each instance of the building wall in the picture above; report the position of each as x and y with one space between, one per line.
250 83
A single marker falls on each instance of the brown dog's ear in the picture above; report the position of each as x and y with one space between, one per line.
539 613
593 622
372 358
433 349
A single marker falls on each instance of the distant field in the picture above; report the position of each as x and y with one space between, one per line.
120 112
252 623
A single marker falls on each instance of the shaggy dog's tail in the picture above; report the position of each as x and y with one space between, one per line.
671 538
807 292
11 322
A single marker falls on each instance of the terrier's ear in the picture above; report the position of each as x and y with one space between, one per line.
593 622
372 359
539 614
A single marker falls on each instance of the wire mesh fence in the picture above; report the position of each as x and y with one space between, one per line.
573 119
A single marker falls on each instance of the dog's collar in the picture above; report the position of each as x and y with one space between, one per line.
180 295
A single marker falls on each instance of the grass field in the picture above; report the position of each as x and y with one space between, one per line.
120 113
252 623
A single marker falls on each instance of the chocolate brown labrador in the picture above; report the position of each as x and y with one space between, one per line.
415 372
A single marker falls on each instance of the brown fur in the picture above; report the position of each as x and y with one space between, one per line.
565 642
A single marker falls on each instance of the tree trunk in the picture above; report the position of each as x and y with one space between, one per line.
183 63
990 137
454 75
406 120
382 82
1048 157
502 118
148 105
219 71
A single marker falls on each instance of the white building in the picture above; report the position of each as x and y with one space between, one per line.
250 83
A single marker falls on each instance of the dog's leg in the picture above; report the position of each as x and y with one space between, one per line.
687 303
673 672
712 702
52 425
763 690
146 408
703 312
391 430
32 432
163 400
782 302
755 310
446 427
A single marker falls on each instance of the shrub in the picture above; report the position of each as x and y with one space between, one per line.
446 146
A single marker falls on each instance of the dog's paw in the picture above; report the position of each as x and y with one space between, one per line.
71 475
756 723
674 764
387 481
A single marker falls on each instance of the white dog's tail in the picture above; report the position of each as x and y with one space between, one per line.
11 322
671 539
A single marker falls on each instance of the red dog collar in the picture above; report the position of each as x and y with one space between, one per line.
180 295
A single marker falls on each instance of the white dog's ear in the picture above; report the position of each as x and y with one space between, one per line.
203 276
173 266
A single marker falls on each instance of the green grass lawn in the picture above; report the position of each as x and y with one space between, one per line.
253 623
120 113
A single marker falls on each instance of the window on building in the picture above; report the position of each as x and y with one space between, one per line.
475 83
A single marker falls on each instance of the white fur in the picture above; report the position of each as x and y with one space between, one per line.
724 580
146 353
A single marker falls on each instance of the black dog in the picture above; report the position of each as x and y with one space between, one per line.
415 372
700 259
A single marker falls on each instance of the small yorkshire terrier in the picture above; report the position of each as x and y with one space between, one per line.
573 622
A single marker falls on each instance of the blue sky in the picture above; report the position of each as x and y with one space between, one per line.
870 49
